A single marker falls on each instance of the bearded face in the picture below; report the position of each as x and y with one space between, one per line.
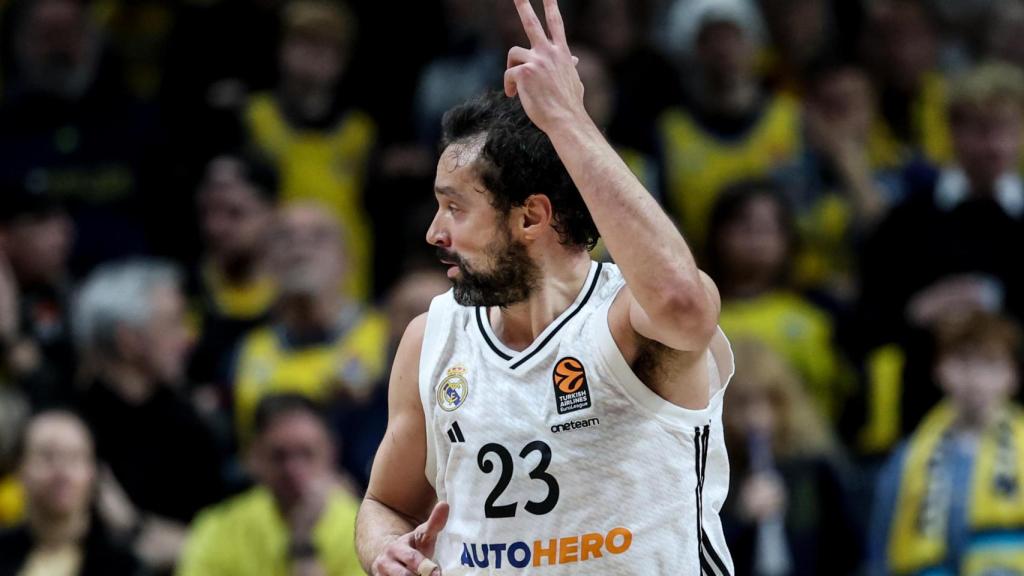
506 275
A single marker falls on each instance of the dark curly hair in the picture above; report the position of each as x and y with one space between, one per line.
518 160
729 207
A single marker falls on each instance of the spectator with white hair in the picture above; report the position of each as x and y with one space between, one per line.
129 326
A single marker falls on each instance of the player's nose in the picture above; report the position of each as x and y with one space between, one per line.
436 235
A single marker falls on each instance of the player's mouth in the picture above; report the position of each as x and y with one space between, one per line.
453 268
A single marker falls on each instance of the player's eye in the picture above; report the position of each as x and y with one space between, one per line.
453 209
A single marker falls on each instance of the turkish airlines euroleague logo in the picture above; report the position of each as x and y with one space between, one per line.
571 390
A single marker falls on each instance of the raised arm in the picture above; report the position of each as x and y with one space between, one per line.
399 497
669 299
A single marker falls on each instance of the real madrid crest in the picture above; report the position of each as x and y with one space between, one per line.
453 390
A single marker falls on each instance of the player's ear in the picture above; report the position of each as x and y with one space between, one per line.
537 216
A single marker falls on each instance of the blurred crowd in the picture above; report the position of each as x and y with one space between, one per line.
212 218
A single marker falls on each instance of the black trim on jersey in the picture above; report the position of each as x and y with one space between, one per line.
715 558
480 324
705 568
698 493
711 563
704 457
547 339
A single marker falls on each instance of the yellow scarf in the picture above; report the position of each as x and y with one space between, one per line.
917 539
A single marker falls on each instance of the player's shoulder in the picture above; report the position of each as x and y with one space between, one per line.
610 270
405 366
412 338
415 333
608 283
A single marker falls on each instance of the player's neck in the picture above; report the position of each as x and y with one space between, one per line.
519 325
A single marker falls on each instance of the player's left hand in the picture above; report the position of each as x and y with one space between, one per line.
410 554
544 76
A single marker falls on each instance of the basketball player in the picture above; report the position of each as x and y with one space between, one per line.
551 415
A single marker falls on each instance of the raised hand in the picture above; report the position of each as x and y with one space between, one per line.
411 553
544 76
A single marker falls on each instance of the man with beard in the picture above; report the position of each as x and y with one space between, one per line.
585 423
319 343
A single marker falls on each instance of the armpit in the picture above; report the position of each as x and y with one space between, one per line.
679 377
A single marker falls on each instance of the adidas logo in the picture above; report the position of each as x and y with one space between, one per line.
455 434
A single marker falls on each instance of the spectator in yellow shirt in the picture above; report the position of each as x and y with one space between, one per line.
751 243
298 521
902 42
319 343
308 126
231 290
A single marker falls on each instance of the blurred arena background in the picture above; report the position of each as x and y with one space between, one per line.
212 218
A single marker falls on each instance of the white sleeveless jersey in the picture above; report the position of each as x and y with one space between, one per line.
558 459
